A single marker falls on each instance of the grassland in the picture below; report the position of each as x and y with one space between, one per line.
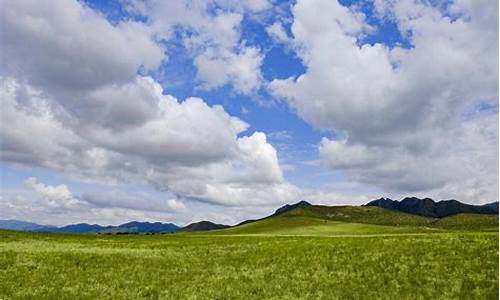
300 255
352 220
300 225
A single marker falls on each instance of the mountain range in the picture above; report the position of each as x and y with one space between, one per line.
423 207
131 227
429 208
24 226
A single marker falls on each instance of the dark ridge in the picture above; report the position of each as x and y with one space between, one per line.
80 228
288 207
203 226
247 222
285 208
492 205
149 227
429 208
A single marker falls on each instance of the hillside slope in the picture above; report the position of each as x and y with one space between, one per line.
203 226
469 222
338 220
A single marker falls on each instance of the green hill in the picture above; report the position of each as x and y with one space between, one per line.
361 214
345 220
300 225
469 222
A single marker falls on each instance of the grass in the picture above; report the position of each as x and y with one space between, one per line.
444 265
311 253
469 222
380 216
302 225
349 220
362 214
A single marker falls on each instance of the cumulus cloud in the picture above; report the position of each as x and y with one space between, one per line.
31 206
211 33
60 199
109 209
30 132
188 148
133 201
55 196
463 166
66 45
117 126
216 67
401 110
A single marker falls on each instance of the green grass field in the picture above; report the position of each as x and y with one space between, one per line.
352 220
293 256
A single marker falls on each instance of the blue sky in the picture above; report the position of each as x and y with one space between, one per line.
343 102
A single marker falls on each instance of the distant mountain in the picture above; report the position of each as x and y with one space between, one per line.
24 226
282 210
203 226
368 213
150 227
130 227
289 207
492 205
79 228
429 208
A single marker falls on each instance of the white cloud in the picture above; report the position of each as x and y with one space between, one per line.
138 201
340 154
55 196
117 126
460 164
58 199
67 46
108 209
30 206
325 197
187 132
217 67
250 6
277 32
188 148
29 132
212 37
402 110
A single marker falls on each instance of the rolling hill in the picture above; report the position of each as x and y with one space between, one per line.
203 226
378 216
309 219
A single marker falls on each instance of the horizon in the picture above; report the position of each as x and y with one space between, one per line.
224 111
233 224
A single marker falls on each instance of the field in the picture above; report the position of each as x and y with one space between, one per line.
355 220
368 264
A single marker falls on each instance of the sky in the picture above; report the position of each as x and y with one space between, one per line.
187 110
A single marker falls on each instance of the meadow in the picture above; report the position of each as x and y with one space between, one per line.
373 262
